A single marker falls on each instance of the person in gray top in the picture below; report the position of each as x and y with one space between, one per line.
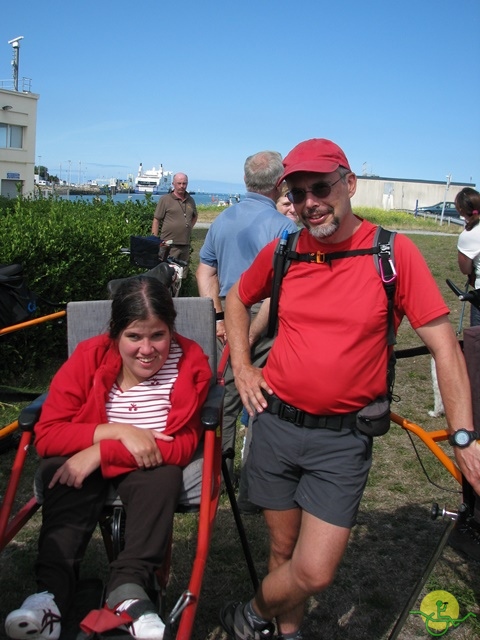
232 243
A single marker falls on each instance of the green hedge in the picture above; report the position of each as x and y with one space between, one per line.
69 250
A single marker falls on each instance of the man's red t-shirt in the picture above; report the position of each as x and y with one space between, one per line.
330 354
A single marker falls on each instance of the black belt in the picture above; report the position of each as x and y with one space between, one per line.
309 420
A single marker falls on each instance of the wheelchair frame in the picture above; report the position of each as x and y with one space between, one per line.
185 610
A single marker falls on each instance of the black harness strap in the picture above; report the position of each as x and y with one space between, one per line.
382 251
326 258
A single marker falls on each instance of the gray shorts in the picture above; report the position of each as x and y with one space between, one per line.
321 471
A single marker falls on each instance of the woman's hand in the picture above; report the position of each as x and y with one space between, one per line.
141 443
74 471
159 435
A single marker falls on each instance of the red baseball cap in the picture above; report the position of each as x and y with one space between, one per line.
317 155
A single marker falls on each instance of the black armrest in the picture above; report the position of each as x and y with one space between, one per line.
30 415
212 409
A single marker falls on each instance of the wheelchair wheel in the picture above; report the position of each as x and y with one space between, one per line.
118 530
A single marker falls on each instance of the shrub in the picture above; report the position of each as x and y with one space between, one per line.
69 250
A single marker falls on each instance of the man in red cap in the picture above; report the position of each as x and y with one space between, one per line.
311 449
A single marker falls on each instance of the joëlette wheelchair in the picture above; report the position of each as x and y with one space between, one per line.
195 320
185 610
465 511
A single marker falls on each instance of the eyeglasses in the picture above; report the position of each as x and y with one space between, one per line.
319 190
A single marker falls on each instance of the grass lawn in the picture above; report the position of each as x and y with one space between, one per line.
389 547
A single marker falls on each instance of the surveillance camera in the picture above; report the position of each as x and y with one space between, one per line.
15 40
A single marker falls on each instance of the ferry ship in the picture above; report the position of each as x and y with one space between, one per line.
154 181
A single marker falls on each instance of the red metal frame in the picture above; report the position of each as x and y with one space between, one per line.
210 494
10 527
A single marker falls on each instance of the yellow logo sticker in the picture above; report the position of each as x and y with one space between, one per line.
440 611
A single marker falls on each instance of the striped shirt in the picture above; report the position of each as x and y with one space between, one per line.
147 404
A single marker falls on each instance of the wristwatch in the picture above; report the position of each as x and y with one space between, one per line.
463 438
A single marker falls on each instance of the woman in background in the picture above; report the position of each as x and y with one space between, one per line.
465 535
467 204
284 206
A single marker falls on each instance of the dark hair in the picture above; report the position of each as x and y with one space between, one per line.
137 299
467 203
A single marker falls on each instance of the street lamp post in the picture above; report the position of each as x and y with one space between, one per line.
15 42
447 185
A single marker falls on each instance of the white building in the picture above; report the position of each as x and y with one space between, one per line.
400 193
18 125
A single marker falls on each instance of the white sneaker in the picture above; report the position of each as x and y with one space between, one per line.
38 617
147 627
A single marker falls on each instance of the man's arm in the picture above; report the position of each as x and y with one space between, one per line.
454 385
158 215
195 215
259 323
209 287
249 380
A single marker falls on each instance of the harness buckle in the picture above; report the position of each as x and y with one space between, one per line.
385 253
384 248
291 414
319 257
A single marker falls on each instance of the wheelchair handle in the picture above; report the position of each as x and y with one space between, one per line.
180 263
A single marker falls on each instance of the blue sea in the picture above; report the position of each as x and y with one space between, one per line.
200 198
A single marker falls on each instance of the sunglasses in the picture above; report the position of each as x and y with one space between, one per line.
319 190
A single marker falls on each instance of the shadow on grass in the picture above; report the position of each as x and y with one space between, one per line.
387 554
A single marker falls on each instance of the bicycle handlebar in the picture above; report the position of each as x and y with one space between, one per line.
466 296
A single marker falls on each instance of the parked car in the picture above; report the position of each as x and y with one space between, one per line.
450 210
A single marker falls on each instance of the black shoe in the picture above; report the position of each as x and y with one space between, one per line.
465 537
235 623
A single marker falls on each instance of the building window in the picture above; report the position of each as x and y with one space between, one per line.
11 136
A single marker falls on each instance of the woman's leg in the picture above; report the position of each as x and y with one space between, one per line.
69 517
150 498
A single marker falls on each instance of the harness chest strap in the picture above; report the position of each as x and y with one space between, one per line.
318 257
382 252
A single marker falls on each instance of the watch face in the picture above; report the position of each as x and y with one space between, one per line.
462 438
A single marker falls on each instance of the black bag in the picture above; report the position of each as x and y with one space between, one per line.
374 419
17 302
144 251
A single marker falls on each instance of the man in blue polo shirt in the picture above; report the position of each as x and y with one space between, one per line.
232 243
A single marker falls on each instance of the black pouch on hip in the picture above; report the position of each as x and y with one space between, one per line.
374 419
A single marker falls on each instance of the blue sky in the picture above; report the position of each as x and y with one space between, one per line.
200 85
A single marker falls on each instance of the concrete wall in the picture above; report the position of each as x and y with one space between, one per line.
17 165
396 193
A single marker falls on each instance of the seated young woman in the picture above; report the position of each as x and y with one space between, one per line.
123 409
